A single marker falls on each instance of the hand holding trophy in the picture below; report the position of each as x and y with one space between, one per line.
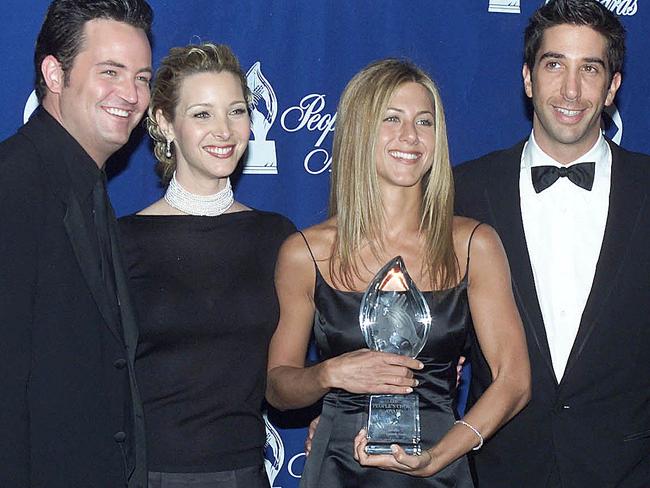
394 317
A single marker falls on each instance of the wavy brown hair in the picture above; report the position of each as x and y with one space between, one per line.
355 198
180 63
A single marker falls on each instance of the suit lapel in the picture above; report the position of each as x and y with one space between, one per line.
88 262
504 201
627 201
56 153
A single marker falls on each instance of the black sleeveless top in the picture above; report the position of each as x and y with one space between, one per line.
337 331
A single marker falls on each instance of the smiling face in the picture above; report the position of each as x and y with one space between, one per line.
107 90
569 87
406 139
210 130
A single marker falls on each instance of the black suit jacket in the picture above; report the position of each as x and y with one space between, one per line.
594 426
70 414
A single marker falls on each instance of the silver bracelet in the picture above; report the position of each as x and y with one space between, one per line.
475 430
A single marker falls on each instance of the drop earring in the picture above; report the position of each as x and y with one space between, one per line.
168 152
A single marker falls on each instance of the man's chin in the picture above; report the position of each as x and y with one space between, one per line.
117 140
573 137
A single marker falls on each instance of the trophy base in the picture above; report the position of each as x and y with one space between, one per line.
411 449
393 419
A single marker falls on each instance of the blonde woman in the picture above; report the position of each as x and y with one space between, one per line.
200 267
392 194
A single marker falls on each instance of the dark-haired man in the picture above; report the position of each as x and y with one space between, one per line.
573 213
70 414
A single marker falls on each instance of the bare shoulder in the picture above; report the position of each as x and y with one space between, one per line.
480 233
321 238
296 251
296 268
485 241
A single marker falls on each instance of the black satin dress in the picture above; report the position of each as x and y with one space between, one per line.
337 331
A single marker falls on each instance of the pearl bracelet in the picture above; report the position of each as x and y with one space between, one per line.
475 430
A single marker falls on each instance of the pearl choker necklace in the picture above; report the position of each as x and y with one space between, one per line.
207 205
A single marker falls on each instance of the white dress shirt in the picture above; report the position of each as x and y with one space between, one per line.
564 227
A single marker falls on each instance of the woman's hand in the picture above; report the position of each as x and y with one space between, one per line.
310 435
459 369
397 461
366 371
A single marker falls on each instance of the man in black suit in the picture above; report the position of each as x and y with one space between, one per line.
70 414
573 213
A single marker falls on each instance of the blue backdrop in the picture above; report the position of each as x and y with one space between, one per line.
299 55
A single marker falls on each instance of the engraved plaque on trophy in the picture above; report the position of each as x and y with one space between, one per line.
394 317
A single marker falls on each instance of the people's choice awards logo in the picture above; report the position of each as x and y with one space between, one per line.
273 451
619 7
615 131
310 115
505 6
261 156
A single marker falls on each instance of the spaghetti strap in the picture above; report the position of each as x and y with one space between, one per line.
469 244
310 251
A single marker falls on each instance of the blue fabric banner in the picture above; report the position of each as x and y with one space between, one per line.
299 55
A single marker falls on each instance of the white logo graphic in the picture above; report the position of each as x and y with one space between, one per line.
308 114
30 106
273 451
617 123
505 6
619 7
292 469
261 157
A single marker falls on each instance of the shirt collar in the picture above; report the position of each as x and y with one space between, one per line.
533 155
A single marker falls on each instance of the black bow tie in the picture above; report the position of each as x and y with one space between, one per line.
581 174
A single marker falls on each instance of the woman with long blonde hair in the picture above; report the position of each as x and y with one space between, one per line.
392 194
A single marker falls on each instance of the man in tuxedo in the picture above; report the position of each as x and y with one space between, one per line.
70 414
573 213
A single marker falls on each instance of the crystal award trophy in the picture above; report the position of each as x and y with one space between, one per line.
394 317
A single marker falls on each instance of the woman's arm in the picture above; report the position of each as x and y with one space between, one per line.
290 384
502 340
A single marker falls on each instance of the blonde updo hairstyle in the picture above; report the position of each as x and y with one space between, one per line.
180 63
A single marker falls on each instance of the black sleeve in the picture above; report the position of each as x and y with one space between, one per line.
21 216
